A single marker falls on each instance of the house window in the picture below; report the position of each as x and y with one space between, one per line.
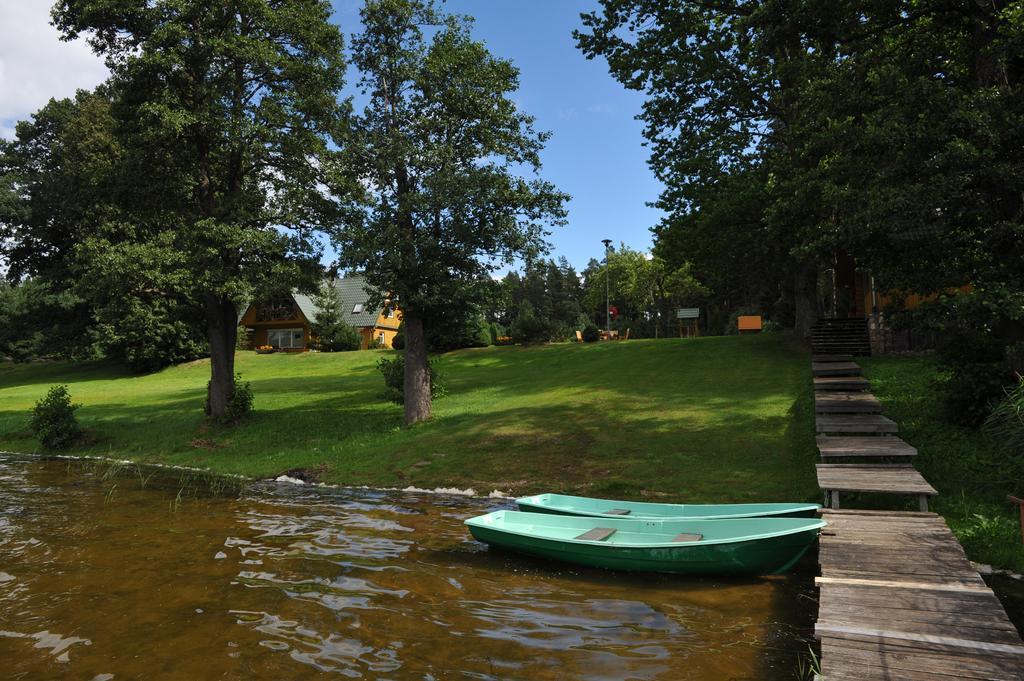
380 338
285 338
357 308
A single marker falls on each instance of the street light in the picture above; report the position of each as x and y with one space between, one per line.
607 307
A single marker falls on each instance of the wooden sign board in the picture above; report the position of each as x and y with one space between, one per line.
688 313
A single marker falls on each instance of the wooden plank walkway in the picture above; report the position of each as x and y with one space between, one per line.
900 600
834 478
831 358
842 402
835 368
832 447
845 383
866 424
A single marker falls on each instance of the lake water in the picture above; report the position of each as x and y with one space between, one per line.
107 578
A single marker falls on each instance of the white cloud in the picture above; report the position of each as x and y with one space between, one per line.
35 65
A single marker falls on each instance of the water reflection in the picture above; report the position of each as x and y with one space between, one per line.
290 583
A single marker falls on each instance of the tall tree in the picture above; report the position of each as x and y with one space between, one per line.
433 152
224 110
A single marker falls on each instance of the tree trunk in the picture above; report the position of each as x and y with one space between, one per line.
417 371
805 298
221 330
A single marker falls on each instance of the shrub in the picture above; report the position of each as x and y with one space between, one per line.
53 420
339 337
1005 424
497 331
398 342
591 334
528 328
240 402
977 376
393 371
331 332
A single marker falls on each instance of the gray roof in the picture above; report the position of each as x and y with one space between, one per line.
352 290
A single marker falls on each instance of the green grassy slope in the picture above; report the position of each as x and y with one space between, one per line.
714 419
971 473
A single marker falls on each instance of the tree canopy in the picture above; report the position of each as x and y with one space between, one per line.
431 167
224 113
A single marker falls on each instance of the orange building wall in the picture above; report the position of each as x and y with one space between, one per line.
862 298
259 336
386 325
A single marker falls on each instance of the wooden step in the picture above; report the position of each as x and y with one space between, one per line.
841 383
831 358
835 369
834 478
873 446
862 424
839 402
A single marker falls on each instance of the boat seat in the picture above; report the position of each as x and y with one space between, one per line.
618 511
686 536
597 534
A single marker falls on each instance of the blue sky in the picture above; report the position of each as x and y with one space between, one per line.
595 153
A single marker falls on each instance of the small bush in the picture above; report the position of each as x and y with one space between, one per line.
240 401
1005 425
393 371
977 376
529 328
398 342
497 331
591 334
340 337
53 420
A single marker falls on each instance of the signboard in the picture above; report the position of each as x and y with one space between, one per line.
688 313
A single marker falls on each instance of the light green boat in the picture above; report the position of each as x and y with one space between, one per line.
563 504
744 546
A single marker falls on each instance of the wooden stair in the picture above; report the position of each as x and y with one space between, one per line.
841 402
841 337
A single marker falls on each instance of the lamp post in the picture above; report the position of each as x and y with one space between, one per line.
607 306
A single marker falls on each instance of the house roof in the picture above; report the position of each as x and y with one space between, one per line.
353 291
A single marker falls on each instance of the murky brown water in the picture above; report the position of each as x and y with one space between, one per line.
101 579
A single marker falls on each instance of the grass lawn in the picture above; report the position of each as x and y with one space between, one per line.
971 473
714 419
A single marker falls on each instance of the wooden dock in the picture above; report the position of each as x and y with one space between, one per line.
835 368
843 402
902 479
844 383
872 447
866 424
899 598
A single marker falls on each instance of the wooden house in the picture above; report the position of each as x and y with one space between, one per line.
285 323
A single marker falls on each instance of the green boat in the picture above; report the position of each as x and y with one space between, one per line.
563 504
745 546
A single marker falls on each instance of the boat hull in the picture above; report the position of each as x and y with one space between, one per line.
743 557
557 504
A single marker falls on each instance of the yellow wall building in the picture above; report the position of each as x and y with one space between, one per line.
285 324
